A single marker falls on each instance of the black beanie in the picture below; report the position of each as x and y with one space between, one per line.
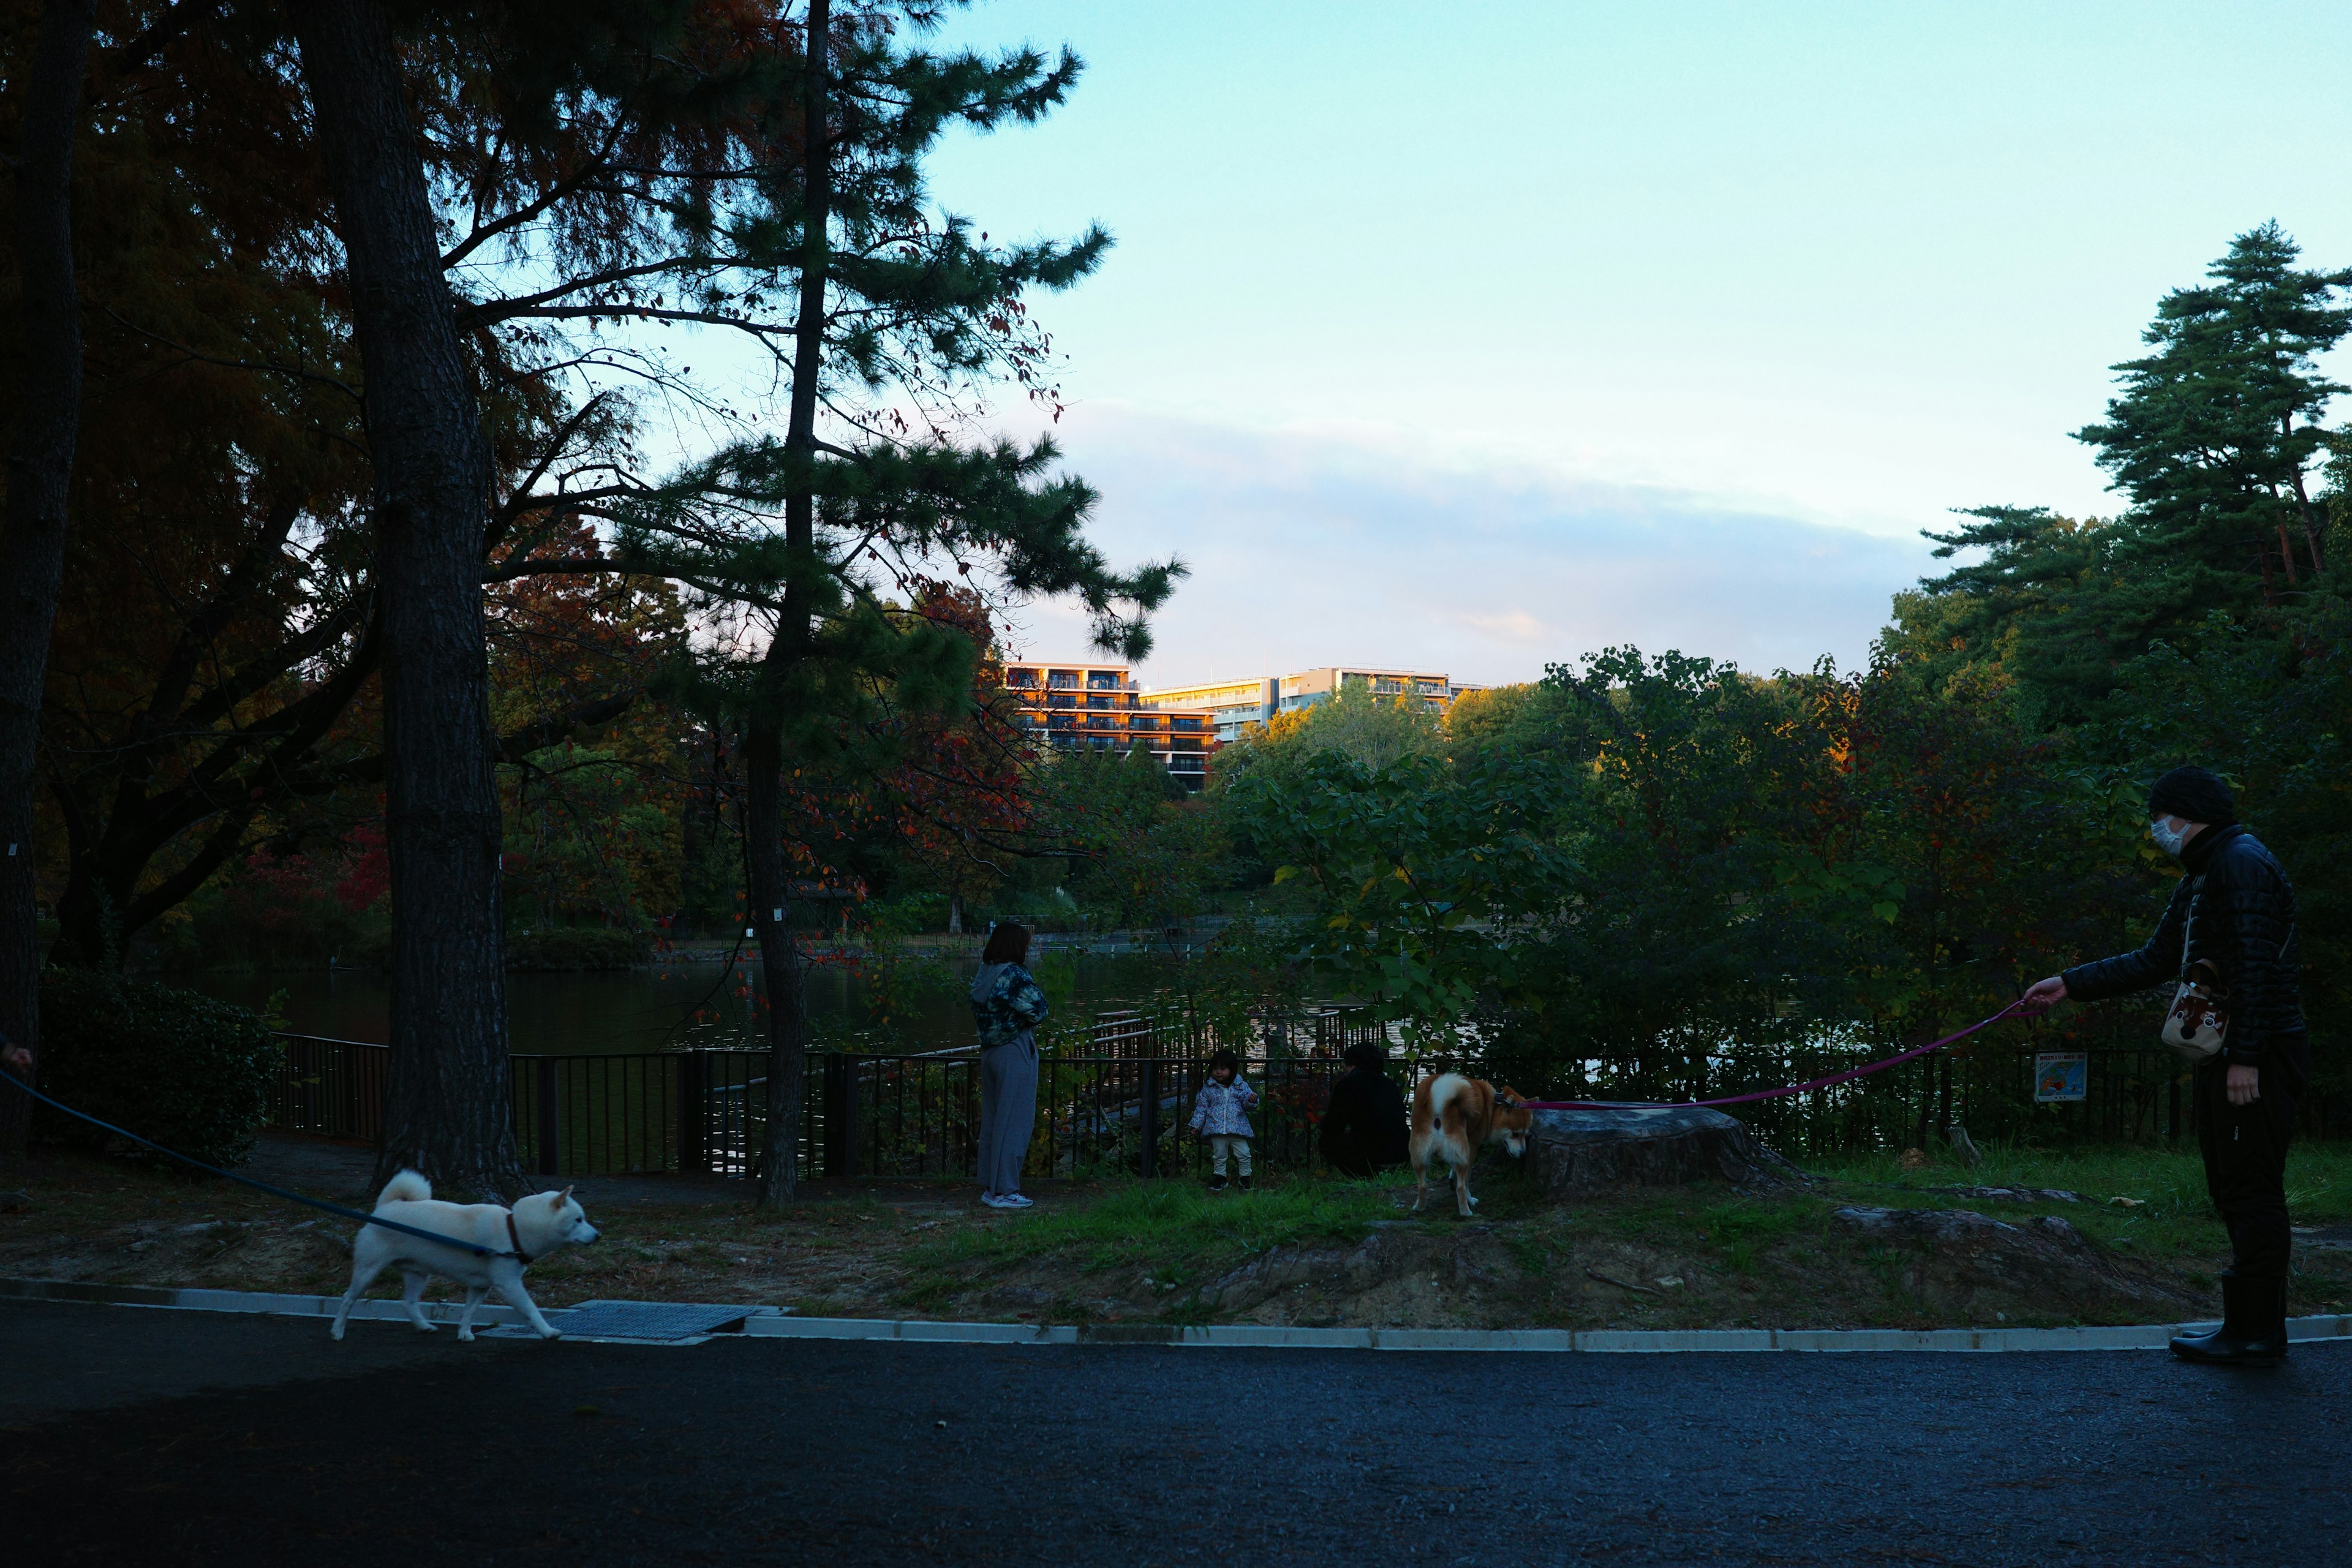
2195 794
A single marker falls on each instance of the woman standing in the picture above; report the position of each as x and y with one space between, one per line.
2232 911
1007 1006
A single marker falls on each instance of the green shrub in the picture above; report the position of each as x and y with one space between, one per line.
579 947
189 1072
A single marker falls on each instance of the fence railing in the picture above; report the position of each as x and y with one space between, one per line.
1123 1107
2129 1095
705 1112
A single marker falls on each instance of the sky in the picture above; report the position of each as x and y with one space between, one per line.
1478 337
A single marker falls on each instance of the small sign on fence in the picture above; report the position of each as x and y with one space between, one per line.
2062 1076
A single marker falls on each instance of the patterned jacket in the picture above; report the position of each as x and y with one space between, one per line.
1217 1110
2234 906
1007 1004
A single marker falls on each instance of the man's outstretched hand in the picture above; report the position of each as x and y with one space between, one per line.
18 1060
2044 994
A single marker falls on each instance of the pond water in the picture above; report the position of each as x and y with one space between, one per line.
618 1010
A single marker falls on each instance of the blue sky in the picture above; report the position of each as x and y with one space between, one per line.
1475 337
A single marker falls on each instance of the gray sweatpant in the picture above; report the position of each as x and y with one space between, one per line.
1008 1110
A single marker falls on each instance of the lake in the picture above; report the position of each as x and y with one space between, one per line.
615 1011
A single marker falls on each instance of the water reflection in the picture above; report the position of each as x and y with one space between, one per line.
635 1010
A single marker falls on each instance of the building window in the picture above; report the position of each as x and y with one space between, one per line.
1062 721
1184 723
1097 699
1145 722
1020 678
1060 699
1060 680
1099 722
1102 680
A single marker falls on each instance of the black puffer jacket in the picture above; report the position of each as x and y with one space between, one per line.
2235 908
1365 1127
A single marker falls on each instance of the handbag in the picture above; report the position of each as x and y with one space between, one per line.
2198 1025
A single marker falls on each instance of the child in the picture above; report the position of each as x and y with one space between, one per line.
1217 1116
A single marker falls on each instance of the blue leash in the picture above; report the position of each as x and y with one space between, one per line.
14 1082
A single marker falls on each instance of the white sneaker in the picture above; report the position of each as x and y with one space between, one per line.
1008 1201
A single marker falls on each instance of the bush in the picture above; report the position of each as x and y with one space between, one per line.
579 947
189 1072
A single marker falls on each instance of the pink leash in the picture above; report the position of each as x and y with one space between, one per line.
1846 1076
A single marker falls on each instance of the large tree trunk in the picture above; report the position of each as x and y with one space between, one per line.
40 463
449 1107
763 748
779 959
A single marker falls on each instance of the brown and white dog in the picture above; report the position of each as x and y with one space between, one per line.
1452 1119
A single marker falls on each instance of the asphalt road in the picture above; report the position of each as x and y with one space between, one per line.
197 1438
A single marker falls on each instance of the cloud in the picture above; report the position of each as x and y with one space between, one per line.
1510 626
1341 546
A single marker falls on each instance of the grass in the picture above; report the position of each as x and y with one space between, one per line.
1689 1256
2168 1215
1175 1232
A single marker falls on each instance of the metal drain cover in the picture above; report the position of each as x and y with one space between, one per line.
658 1321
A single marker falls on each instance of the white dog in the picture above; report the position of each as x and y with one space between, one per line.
519 1237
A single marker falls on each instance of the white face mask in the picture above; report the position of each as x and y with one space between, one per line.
2167 838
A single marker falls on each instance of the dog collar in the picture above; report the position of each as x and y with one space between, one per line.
516 1236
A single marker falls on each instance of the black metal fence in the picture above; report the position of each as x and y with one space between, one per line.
705 1112
1124 1107
2127 1096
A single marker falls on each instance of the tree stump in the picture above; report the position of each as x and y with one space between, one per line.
1575 1151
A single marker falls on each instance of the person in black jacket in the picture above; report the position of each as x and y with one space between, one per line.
2234 910
1364 1124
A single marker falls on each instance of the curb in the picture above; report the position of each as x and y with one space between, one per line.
487 1315
1589 1342
768 1324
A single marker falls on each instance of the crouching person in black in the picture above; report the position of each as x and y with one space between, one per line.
2234 910
1364 1124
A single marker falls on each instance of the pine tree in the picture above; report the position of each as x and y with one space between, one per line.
2213 438
2216 432
815 540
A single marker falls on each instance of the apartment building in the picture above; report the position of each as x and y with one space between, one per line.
1234 705
1070 706
1255 699
1308 686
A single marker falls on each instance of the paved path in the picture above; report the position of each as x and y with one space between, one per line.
203 1438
